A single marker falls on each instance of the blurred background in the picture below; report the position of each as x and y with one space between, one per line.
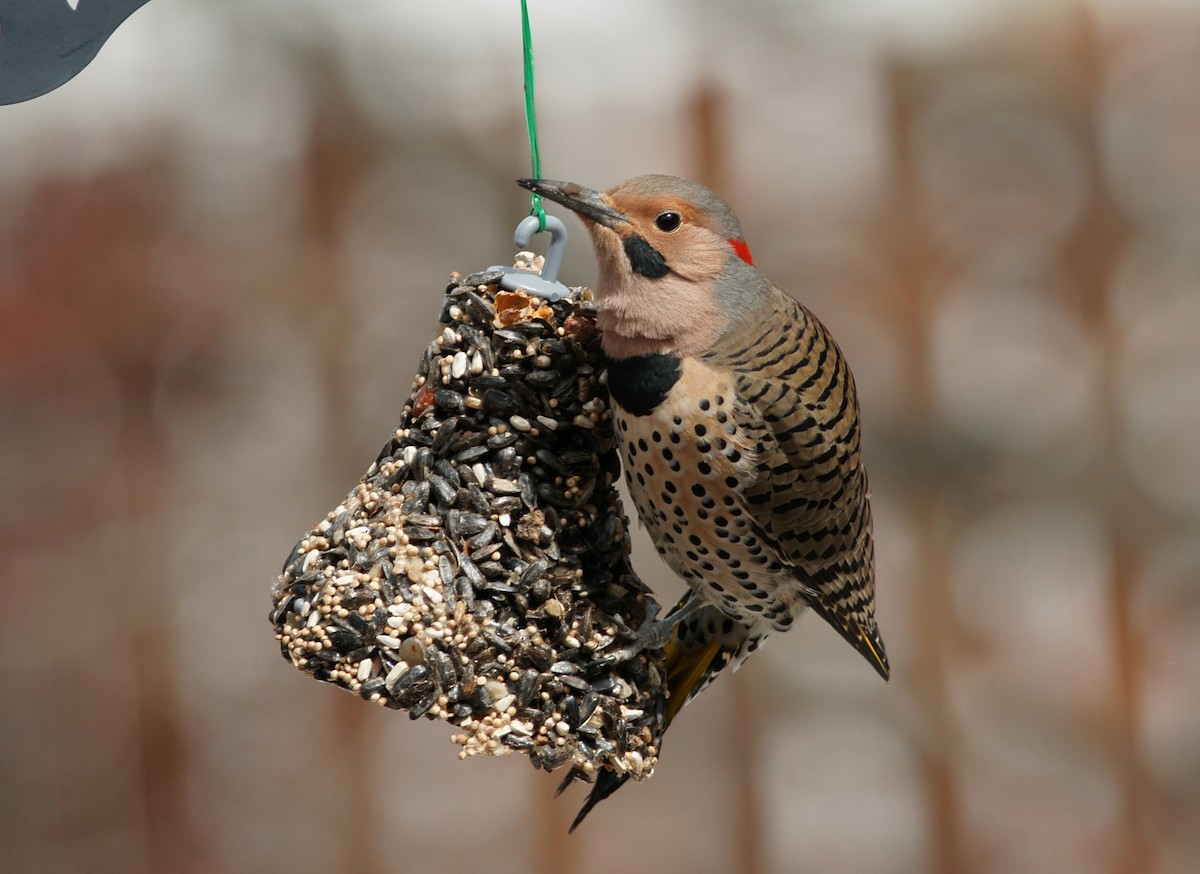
222 250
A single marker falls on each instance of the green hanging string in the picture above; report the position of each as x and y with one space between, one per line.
535 158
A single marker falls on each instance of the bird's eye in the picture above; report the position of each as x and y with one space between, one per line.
668 222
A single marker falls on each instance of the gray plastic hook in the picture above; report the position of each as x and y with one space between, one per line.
546 285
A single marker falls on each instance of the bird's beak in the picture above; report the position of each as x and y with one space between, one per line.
584 201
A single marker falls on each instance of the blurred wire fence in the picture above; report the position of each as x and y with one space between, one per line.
222 250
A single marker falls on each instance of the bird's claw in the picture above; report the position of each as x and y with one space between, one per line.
652 634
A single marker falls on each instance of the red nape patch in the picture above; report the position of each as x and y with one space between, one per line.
742 250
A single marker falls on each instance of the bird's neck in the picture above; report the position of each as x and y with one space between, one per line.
667 315
674 320
627 331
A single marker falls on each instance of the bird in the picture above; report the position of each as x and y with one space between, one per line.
738 423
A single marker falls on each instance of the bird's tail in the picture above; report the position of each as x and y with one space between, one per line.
860 632
703 645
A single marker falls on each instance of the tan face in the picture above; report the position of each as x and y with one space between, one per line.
658 273
674 228
665 247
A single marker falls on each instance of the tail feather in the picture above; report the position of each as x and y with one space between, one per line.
702 647
863 636
606 784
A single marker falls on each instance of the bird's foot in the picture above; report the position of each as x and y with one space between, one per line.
652 634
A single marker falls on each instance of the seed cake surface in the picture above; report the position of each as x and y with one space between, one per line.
482 563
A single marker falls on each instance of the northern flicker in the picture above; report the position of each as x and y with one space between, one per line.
739 429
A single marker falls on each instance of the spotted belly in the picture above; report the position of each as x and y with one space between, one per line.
684 460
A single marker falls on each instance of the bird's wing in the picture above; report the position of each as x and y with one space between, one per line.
806 487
